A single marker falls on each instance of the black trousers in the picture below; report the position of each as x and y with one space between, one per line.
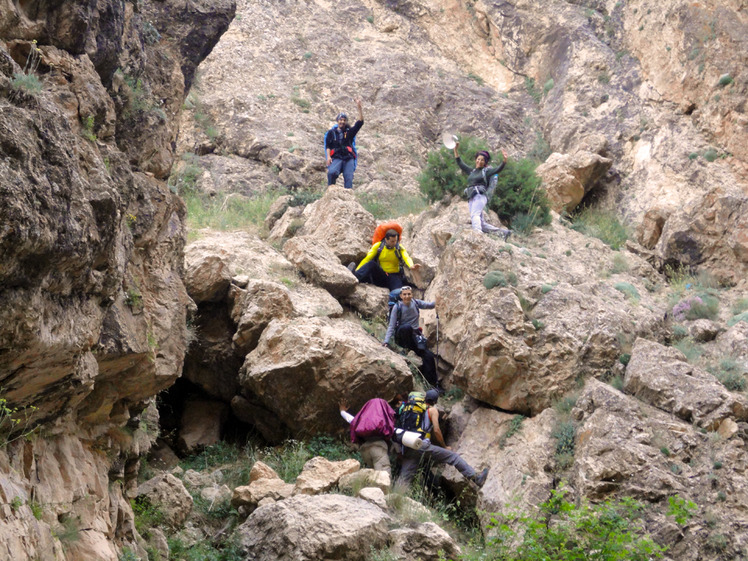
373 273
412 339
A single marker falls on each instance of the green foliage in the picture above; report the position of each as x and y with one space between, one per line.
537 324
548 86
303 103
370 19
609 531
540 149
218 510
564 405
15 422
477 79
397 204
494 279
689 348
383 554
441 175
602 225
147 515
711 154
16 503
227 212
26 83
331 448
620 264
546 288
212 456
304 197
534 92
511 278
204 551
36 510
128 555
603 78
693 155
730 374
740 306
518 192
682 509
725 80
515 425
565 434
134 299
68 531
628 290
665 451
184 182
735 319
624 358
617 383
707 308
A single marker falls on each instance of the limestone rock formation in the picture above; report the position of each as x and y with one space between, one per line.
319 264
169 495
307 528
301 369
567 178
660 376
320 474
426 541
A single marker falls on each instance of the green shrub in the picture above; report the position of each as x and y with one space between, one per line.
441 175
680 508
515 425
518 192
227 212
608 531
147 515
548 86
735 319
730 375
706 308
620 264
394 205
602 225
511 278
740 306
565 434
628 290
689 348
725 80
546 288
624 358
711 154
494 279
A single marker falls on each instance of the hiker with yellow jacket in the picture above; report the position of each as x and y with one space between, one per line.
384 264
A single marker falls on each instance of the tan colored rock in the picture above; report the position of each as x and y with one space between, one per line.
365 477
650 228
521 465
734 341
308 527
287 225
368 300
260 470
216 495
277 209
703 330
426 541
320 475
374 495
338 220
254 308
302 368
202 424
207 279
168 494
408 509
660 376
727 428
319 264
250 495
567 178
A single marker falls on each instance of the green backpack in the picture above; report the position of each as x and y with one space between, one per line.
412 415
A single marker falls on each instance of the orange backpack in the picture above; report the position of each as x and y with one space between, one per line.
382 230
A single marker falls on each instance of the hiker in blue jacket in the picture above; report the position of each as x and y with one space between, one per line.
404 319
477 190
340 149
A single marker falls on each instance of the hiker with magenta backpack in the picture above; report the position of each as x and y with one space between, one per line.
419 414
385 263
478 192
372 428
404 325
340 148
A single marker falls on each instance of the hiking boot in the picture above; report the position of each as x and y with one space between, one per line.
506 234
480 478
352 266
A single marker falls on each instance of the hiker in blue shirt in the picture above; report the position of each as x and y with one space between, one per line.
404 319
340 148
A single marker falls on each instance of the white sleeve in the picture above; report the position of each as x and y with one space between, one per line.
347 416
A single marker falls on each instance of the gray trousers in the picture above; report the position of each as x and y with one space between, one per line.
375 454
437 454
476 204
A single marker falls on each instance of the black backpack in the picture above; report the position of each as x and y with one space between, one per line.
413 414
393 305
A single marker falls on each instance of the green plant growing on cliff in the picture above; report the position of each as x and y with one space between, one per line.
26 81
399 204
494 279
515 426
15 422
602 225
628 290
441 176
68 531
518 194
88 128
608 531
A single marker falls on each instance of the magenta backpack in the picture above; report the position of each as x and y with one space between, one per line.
376 418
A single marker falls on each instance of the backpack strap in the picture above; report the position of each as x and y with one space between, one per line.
398 253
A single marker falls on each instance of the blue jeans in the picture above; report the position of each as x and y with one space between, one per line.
346 166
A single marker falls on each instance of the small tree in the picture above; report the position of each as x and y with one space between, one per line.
442 175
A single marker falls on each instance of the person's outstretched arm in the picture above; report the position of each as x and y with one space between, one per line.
466 169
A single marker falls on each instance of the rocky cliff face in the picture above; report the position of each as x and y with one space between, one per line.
92 306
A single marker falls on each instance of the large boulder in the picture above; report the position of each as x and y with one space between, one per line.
368 300
662 377
302 368
310 528
338 220
320 475
547 319
202 424
169 495
319 264
520 458
254 307
567 178
260 489
206 277
425 542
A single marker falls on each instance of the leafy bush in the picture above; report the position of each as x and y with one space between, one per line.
689 348
565 434
515 425
735 319
740 306
602 225
517 191
699 306
609 531
494 279
620 264
628 290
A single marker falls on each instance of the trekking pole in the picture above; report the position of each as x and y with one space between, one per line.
437 336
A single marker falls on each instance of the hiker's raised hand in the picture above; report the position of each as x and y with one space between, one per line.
358 102
343 405
503 153
415 266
